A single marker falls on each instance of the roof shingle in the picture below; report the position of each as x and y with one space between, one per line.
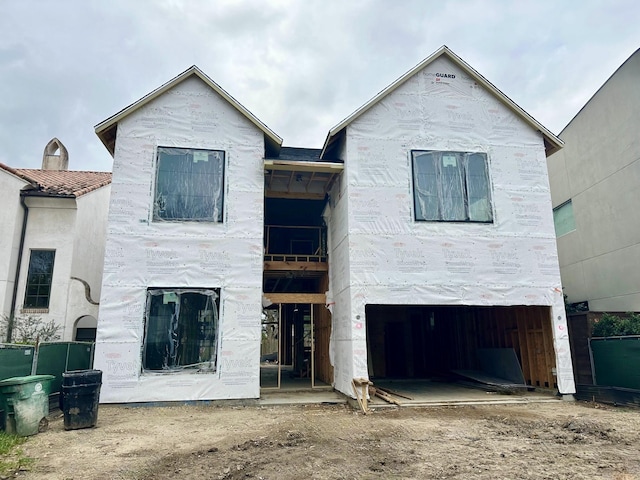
299 154
61 183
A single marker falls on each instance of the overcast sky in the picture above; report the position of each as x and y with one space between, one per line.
299 66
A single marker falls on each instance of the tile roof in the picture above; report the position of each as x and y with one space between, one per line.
60 183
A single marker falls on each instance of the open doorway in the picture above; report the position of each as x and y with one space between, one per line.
451 343
296 326
294 347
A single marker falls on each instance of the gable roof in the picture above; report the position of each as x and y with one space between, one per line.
60 183
551 142
106 130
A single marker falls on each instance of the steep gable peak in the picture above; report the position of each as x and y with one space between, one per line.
106 130
551 142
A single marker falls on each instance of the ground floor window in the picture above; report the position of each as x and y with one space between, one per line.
39 279
181 329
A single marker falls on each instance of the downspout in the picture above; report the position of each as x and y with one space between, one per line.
14 296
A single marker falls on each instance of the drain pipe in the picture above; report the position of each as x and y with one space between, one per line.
14 296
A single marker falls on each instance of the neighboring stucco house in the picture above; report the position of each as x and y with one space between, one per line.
595 184
420 234
52 244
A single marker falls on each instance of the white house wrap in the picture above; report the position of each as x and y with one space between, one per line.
441 199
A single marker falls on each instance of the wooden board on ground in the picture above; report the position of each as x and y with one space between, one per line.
497 382
393 392
383 395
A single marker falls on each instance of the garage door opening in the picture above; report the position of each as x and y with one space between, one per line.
447 342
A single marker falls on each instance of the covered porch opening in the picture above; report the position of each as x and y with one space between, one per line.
296 325
411 347
294 351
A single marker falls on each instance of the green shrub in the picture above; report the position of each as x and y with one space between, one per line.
614 326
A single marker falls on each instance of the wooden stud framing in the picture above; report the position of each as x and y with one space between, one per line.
526 329
296 266
313 298
294 195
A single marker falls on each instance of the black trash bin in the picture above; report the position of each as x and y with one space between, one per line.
79 398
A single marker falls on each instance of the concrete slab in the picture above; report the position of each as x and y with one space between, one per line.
423 393
301 397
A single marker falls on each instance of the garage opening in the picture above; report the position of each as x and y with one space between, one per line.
457 342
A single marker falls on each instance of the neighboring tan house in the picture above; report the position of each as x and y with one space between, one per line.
595 188
420 235
52 243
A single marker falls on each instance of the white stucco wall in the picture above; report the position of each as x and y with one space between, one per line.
141 253
11 215
90 239
51 226
393 259
88 257
599 171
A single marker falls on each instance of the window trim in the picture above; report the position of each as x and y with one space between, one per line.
26 307
158 219
198 367
415 153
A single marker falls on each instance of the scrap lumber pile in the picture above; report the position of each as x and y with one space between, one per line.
387 394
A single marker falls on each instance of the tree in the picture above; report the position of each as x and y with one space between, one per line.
29 329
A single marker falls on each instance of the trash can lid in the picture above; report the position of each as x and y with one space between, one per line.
24 380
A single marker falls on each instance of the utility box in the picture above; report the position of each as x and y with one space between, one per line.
25 401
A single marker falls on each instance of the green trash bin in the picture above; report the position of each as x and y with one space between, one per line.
25 401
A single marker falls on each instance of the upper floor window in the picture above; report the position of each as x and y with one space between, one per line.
451 186
563 219
189 185
38 291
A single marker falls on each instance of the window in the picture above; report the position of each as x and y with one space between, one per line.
181 329
38 291
451 186
189 185
563 219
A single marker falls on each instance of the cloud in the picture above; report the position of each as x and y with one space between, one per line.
301 67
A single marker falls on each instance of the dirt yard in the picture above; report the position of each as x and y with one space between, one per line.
535 441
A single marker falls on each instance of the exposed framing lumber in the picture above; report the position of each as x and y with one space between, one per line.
392 392
294 195
547 334
361 396
270 179
313 174
291 177
296 266
324 167
313 298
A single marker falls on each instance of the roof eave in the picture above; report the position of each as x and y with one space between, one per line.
554 142
41 194
107 126
14 173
